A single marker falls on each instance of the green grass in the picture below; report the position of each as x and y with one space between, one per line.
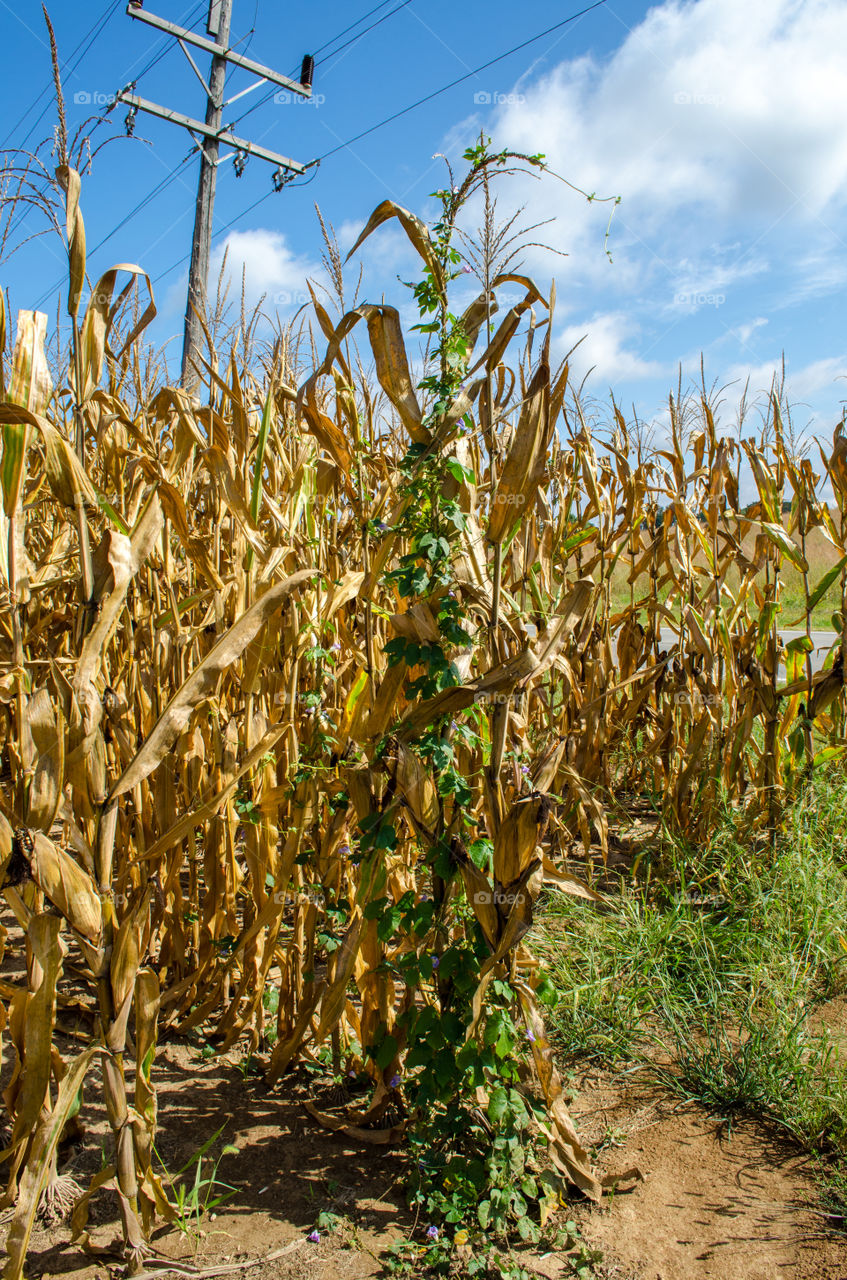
821 556
833 1180
708 981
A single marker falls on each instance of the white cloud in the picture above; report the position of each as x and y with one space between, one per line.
703 283
744 332
814 275
709 115
607 350
822 379
712 103
268 266
813 392
348 233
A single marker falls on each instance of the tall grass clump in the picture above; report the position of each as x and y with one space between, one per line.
711 979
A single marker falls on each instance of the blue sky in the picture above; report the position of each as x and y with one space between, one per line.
720 125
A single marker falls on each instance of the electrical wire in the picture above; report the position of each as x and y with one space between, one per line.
104 17
89 39
250 34
363 18
436 93
158 189
166 182
221 230
229 225
332 52
142 204
156 56
405 110
396 115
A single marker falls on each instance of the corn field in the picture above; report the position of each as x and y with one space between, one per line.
206 729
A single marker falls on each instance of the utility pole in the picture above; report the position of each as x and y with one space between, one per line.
209 136
201 243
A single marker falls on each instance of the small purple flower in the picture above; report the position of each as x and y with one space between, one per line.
530 1037
336 648
454 724
525 770
344 850
394 1081
432 1233
466 269
436 961
352 1075
314 1236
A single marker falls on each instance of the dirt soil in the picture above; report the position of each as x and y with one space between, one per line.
716 1202
286 1171
719 1201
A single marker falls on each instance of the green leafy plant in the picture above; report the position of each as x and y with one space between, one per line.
199 1193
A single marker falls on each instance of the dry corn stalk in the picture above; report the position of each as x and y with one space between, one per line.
191 713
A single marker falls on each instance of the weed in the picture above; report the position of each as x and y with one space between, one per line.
205 1193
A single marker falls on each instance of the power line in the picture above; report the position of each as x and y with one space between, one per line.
104 17
252 31
221 230
373 128
359 34
89 39
95 33
159 188
142 204
157 54
156 57
403 111
332 52
212 128
162 186
460 80
229 225
171 177
363 18
92 36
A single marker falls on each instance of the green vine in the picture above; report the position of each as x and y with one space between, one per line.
478 1176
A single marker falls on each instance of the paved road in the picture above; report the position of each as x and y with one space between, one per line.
822 640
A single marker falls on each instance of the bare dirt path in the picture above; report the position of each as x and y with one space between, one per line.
719 1201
